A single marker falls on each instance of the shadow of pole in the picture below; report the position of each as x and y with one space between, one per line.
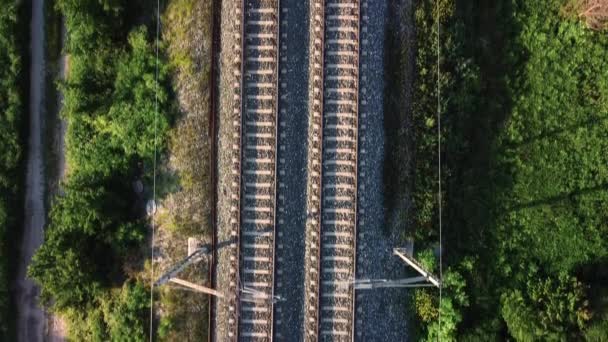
558 198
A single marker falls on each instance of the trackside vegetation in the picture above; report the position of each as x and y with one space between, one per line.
12 120
185 212
89 266
525 132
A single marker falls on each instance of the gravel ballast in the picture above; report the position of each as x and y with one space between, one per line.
293 129
225 141
381 314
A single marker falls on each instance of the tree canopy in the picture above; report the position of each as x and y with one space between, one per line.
117 110
11 152
525 130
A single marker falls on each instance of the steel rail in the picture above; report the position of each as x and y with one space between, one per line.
259 270
276 161
338 261
315 190
357 80
236 184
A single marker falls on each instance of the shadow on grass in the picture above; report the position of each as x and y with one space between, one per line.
477 105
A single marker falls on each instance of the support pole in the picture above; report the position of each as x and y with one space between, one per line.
410 261
189 260
370 284
196 287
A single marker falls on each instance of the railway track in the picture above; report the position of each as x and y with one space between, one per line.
255 171
332 219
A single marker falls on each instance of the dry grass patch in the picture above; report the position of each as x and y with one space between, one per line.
185 211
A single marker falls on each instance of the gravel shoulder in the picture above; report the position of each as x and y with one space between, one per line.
183 179
381 313
225 140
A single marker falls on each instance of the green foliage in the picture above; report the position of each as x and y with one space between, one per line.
131 122
86 325
597 331
450 308
425 111
92 25
427 259
525 119
86 235
552 148
450 318
124 314
550 309
116 316
95 227
551 151
454 300
110 104
178 20
178 324
426 305
11 118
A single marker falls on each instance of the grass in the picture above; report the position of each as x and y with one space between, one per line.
178 19
523 171
523 111
185 179
53 49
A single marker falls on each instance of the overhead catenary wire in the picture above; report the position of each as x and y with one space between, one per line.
154 174
439 194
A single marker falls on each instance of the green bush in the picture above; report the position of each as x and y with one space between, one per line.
549 309
96 226
597 331
125 313
85 242
115 316
525 122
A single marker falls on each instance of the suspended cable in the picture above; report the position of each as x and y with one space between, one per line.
439 194
154 175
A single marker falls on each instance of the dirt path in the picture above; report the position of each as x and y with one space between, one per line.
62 126
31 318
